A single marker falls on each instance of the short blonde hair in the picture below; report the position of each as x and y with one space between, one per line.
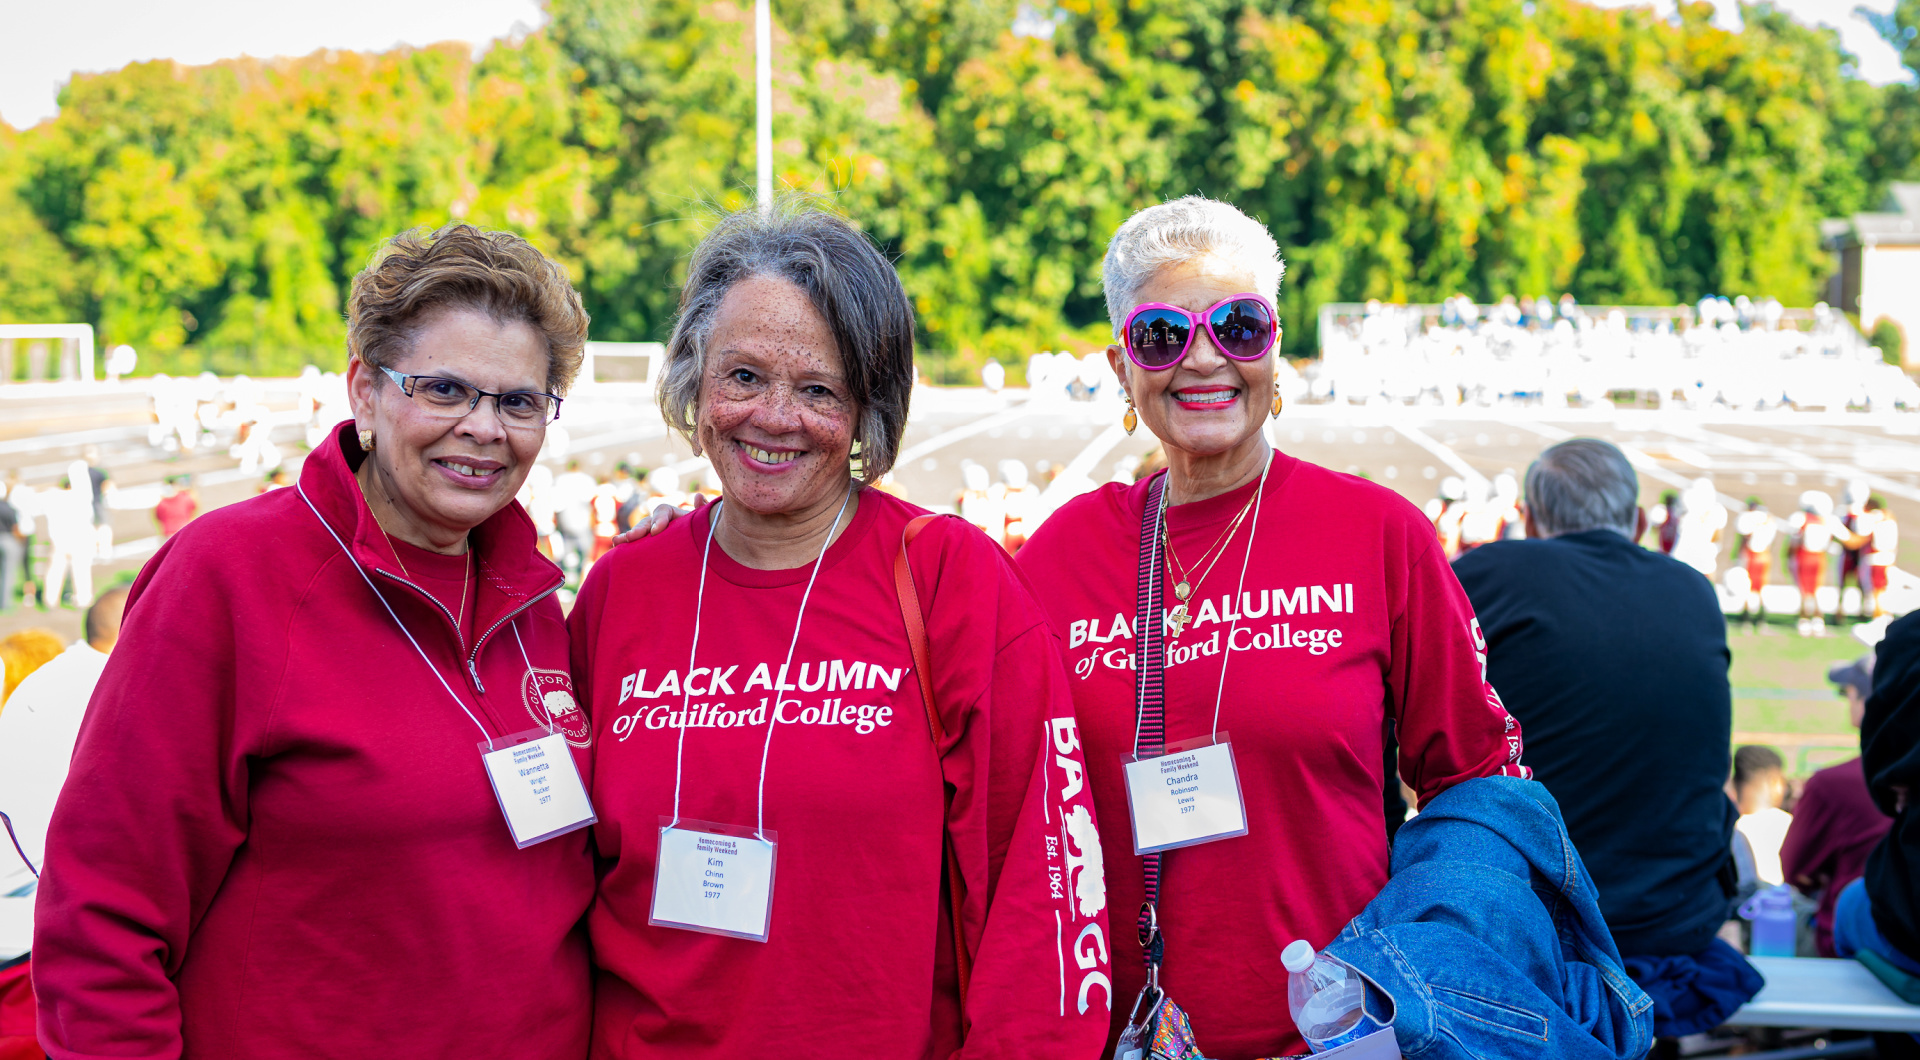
462 266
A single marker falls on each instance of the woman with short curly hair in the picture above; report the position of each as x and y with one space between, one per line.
325 799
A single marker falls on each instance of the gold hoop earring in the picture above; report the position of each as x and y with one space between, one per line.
366 439
1276 400
1132 418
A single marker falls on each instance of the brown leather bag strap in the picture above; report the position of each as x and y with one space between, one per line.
916 624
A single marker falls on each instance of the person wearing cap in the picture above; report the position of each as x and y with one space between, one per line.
1877 917
1835 822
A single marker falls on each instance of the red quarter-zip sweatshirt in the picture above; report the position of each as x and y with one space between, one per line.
278 839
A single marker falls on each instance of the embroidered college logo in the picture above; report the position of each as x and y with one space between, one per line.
548 694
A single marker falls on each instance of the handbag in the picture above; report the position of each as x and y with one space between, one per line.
915 622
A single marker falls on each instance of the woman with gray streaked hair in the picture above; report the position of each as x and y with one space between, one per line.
779 680
1307 614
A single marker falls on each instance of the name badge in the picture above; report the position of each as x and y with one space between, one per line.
714 878
1186 796
538 785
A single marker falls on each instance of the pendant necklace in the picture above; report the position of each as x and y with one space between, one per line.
1180 616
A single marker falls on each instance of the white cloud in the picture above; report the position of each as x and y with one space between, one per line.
1879 62
44 42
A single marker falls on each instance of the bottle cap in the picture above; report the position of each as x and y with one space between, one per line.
1298 956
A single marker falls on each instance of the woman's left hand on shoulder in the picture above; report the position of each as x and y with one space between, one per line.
662 516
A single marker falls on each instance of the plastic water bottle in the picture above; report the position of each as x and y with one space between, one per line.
1771 912
1326 997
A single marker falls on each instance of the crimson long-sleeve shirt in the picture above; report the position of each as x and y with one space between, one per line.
857 955
1348 619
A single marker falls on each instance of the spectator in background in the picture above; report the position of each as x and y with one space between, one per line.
1882 544
37 734
1835 823
12 549
626 495
1758 788
21 497
69 515
1614 660
38 728
178 507
573 492
1665 521
1812 532
24 652
1702 519
1757 530
98 488
1877 917
1856 544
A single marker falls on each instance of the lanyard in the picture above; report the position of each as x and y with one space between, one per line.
1150 716
457 701
686 695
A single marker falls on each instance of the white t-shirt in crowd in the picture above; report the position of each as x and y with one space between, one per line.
1765 830
38 727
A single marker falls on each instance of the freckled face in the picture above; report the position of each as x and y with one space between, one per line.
1209 402
775 416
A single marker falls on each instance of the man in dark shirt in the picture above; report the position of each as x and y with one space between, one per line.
1877 918
1614 660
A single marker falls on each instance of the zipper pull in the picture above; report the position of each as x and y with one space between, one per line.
475 671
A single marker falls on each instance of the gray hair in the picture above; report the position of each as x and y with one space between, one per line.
1182 230
1583 484
849 282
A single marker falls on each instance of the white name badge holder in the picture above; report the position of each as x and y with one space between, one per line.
538 785
711 877
533 774
1188 795
714 878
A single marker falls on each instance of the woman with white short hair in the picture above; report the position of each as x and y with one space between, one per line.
1246 609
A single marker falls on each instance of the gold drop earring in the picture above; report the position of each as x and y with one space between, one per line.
366 439
1276 398
1132 418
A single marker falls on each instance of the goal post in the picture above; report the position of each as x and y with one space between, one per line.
75 359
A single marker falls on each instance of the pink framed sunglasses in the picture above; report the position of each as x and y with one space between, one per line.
1242 326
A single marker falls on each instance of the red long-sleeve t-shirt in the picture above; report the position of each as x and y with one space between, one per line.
278 838
857 956
1349 619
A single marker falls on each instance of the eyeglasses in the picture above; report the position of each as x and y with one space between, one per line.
1243 326
451 399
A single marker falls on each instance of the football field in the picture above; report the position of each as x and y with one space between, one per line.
1068 446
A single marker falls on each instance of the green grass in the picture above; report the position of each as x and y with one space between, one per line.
1780 658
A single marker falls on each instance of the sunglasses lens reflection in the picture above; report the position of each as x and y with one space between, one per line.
1157 337
1243 329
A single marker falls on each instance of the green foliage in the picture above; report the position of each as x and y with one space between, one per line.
1888 335
1399 149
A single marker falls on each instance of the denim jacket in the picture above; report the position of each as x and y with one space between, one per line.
1489 939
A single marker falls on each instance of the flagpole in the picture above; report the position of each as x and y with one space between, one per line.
763 101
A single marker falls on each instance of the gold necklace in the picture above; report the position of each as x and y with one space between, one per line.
1183 587
466 575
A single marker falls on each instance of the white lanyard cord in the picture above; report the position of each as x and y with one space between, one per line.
1239 588
686 696
484 735
515 626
